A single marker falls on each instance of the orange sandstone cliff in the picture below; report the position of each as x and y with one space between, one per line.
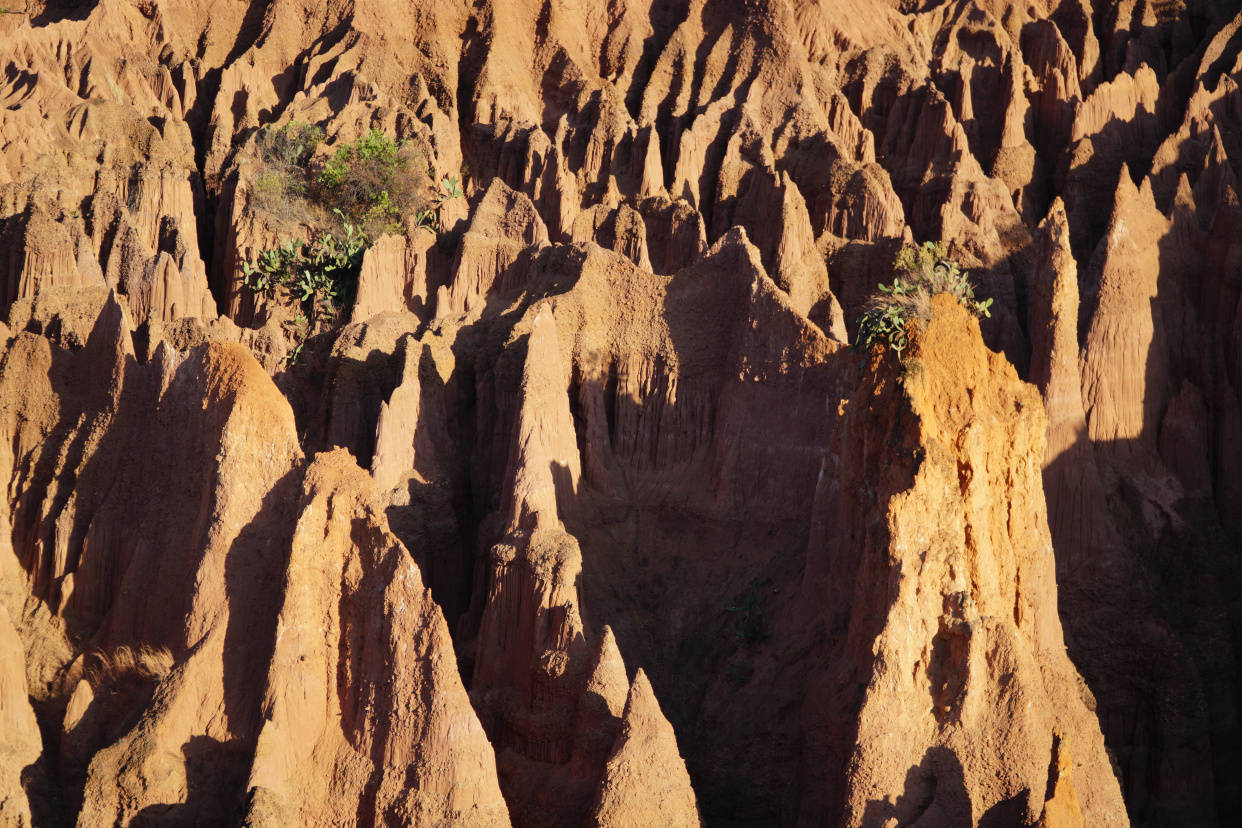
583 510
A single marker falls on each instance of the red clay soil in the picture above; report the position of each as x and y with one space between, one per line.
583 510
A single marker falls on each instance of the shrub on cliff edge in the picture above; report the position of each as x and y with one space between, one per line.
920 273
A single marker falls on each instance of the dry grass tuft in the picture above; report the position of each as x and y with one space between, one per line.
127 663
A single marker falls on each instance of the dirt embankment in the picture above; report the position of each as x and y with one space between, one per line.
582 511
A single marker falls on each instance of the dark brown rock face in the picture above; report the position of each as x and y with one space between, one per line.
579 509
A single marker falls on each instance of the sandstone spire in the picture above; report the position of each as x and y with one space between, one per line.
375 716
645 779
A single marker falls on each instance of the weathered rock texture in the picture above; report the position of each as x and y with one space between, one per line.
969 693
378 707
585 512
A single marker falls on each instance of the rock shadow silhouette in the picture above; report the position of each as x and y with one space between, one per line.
935 796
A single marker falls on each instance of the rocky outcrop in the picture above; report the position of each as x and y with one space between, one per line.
964 644
493 251
94 192
644 768
113 569
1122 404
551 699
160 709
22 745
685 552
379 704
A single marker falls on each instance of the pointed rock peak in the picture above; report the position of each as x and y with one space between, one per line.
736 264
641 707
607 678
607 644
396 430
113 331
336 475
1053 319
1132 200
1226 86
736 235
231 375
652 183
1184 198
797 218
505 212
979 423
1125 185
166 358
797 239
502 229
1145 192
1217 155
543 350
736 246
612 194
645 780
1147 79
1055 259
562 130
544 464
329 696
1056 222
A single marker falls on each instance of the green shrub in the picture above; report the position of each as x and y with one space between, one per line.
373 148
888 314
375 182
280 196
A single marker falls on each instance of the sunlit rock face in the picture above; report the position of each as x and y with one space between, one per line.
576 505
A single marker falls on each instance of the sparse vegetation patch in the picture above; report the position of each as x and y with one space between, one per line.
281 186
920 273
362 190
320 274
